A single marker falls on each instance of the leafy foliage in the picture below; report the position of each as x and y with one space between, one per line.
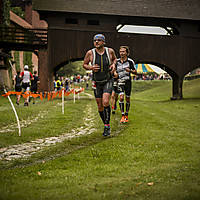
28 59
73 68
6 12
16 58
18 11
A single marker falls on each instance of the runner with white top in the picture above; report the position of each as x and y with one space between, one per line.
26 79
124 67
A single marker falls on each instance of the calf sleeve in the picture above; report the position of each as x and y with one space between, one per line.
102 115
107 114
121 105
127 107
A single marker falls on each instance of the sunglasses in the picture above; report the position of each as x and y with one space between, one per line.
98 40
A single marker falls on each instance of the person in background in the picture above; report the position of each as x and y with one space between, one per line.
124 67
62 80
67 83
18 87
34 84
54 85
102 61
58 84
87 81
26 80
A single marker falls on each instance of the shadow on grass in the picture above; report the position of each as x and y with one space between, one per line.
191 99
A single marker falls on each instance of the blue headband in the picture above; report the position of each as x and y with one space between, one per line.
99 37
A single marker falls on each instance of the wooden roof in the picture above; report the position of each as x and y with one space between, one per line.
179 9
19 21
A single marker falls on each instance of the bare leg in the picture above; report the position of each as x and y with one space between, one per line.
100 109
114 98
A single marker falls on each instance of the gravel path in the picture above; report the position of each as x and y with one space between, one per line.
27 149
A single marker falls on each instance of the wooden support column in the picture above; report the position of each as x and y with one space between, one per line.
28 12
44 72
177 86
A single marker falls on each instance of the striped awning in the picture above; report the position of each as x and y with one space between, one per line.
143 68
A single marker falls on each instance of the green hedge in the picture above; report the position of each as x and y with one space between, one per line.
28 59
6 12
16 58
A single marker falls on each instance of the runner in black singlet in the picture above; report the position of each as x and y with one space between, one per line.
103 61
18 86
34 84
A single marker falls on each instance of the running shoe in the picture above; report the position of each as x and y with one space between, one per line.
106 131
113 112
126 119
26 104
122 119
17 102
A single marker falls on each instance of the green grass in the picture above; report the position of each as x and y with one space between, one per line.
50 122
159 145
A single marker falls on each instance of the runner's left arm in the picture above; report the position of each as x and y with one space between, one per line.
132 67
113 59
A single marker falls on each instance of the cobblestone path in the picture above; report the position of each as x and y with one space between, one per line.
27 149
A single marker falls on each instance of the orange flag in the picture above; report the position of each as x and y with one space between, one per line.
41 96
49 96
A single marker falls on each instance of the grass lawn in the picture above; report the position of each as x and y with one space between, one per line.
155 156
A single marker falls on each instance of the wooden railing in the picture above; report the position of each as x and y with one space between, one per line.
15 36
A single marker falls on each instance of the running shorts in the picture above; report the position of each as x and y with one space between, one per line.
26 86
125 88
103 88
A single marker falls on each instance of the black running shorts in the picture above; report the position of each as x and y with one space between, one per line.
125 88
26 86
103 88
115 87
18 88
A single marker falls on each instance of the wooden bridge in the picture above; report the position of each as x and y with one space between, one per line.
72 24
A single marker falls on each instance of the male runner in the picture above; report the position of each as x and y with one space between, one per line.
26 79
103 61
124 67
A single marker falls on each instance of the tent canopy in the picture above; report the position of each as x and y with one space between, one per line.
143 68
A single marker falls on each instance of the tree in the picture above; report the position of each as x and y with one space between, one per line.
72 68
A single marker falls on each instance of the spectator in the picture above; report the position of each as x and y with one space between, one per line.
34 84
18 87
